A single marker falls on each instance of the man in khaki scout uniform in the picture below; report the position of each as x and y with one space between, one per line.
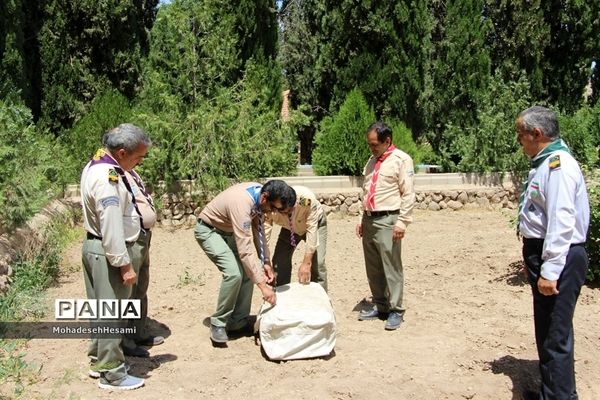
113 225
388 202
305 221
230 230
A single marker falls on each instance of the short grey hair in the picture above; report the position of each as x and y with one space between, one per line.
125 136
541 118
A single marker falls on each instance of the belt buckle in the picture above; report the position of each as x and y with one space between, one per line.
368 212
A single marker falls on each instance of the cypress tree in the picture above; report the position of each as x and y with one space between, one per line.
87 47
460 67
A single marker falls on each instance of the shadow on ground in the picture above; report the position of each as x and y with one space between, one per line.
515 276
524 374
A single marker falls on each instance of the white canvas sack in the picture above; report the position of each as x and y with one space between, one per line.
300 325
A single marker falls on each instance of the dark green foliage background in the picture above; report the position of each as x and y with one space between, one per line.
205 78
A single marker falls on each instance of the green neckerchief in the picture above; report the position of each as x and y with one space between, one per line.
558 144
536 161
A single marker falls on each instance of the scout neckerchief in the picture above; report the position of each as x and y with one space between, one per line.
370 200
140 185
102 157
254 193
536 161
292 237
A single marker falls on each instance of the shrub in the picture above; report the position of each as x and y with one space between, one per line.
341 148
491 145
402 137
80 142
29 165
577 131
35 269
593 242
341 142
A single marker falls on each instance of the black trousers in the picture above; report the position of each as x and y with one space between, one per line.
553 318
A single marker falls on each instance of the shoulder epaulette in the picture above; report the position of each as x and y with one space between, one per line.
113 177
304 202
554 162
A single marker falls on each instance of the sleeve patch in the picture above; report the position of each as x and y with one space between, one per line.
110 201
554 162
113 177
247 225
304 202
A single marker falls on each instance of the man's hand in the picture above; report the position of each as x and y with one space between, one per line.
398 234
268 294
269 273
128 274
546 287
304 272
359 232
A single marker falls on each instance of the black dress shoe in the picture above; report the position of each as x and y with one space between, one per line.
531 395
245 330
393 321
218 334
150 341
373 313
136 352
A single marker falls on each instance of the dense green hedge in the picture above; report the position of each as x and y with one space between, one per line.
30 165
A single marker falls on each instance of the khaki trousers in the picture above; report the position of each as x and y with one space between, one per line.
103 281
383 262
282 258
235 294
140 259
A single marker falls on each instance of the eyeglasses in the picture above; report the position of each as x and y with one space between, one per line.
279 209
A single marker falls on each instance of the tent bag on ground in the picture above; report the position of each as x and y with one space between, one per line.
300 325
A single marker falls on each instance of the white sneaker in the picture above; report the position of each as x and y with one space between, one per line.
129 383
96 374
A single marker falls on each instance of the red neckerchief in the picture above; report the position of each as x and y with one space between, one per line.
370 200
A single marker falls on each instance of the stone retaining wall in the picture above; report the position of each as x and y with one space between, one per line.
181 210
30 236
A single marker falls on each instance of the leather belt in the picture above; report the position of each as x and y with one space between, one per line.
380 213
200 221
91 236
217 230
540 242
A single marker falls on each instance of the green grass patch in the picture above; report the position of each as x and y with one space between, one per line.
35 269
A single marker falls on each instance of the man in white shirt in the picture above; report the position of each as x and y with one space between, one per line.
554 216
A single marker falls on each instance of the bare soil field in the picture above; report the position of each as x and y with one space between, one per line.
468 330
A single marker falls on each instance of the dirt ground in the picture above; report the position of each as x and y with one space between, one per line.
468 330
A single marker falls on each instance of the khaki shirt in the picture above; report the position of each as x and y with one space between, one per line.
233 211
395 185
143 203
306 216
108 211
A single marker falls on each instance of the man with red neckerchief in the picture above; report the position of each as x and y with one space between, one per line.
388 201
